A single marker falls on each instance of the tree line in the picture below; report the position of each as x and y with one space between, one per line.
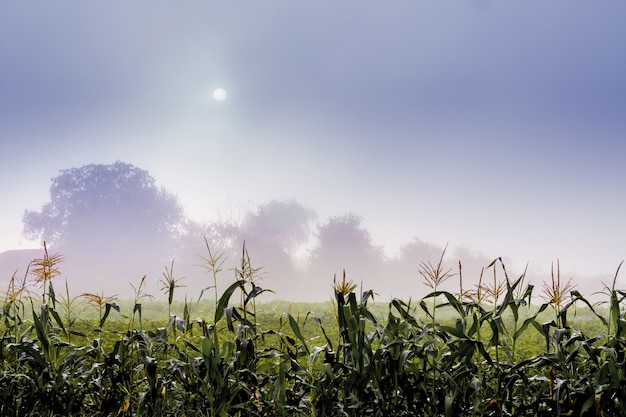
114 224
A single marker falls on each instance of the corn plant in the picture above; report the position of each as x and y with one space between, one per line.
169 284
212 265
489 352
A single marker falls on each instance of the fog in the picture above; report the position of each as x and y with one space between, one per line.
113 226
354 136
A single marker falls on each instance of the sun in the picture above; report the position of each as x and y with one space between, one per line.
219 94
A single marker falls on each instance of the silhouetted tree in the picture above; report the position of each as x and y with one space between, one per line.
285 224
405 266
474 262
221 237
418 251
107 214
94 203
343 244
408 282
405 280
274 234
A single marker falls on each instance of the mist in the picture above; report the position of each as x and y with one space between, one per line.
115 229
357 136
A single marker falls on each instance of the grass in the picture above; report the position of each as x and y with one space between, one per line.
488 351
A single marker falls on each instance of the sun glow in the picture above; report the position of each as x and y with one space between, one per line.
219 94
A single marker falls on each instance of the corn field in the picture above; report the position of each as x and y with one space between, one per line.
486 352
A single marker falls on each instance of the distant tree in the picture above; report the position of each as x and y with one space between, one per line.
417 251
275 233
96 202
115 212
192 254
284 224
474 263
343 243
221 237
404 268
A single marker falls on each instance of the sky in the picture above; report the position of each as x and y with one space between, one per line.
498 127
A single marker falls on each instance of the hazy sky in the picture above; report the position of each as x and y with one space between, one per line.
495 125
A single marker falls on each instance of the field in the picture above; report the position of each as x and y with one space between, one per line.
502 349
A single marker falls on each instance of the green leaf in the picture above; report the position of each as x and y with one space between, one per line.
448 405
229 318
41 333
225 299
496 328
453 331
296 331
366 296
316 352
57 319
51 294
29 352
404 357
137 308
107 310
528 321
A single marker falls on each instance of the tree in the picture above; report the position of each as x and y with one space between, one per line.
274 234
94 202
407 281
284 224
114 213
343 244
412 255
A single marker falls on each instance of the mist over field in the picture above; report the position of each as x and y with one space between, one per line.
113 225
325 136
